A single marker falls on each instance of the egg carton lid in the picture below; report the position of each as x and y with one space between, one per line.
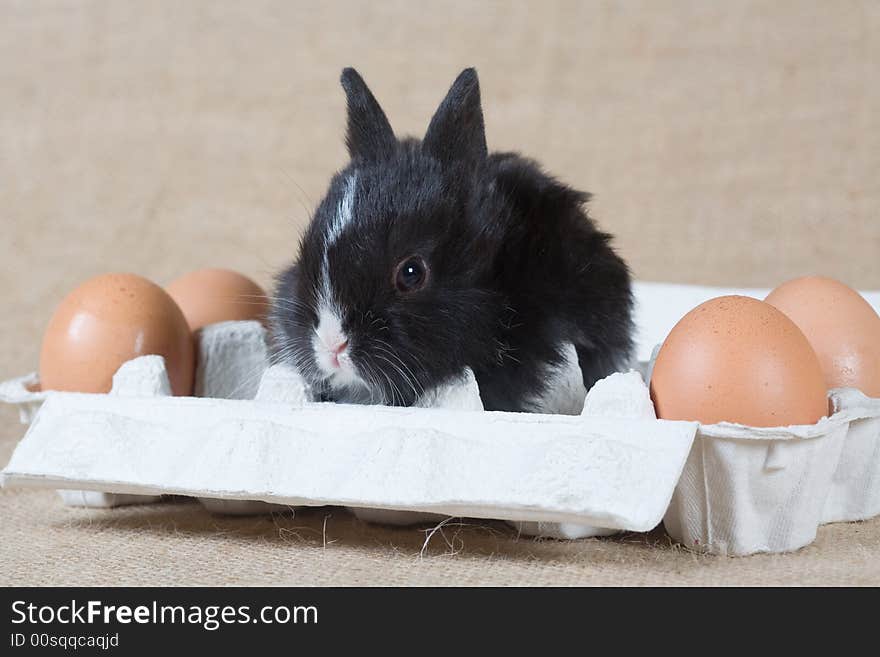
612 467
658 306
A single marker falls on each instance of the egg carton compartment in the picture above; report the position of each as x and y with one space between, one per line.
748 489
753 489
855 484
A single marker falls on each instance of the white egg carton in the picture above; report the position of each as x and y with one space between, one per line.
252 439
611 468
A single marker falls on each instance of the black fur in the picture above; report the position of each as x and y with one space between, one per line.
516 267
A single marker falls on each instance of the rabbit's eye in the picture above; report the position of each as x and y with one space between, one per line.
411 274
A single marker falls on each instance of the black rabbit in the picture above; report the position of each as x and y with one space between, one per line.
428 257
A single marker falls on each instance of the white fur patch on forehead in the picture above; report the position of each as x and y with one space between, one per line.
341 219
344 210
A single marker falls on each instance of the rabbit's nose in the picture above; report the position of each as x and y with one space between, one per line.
337 351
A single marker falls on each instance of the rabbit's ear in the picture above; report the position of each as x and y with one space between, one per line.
456 131
369 135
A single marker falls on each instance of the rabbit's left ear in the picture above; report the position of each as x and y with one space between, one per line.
369 135
456 131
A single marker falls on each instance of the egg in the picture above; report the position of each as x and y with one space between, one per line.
208 296
840 324
107 321
738 359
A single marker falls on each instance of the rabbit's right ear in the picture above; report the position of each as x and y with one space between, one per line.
456 131
369 135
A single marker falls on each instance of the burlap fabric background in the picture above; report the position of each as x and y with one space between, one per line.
734 143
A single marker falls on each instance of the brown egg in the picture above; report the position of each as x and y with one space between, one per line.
842 327
208 296
737 359
107 321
